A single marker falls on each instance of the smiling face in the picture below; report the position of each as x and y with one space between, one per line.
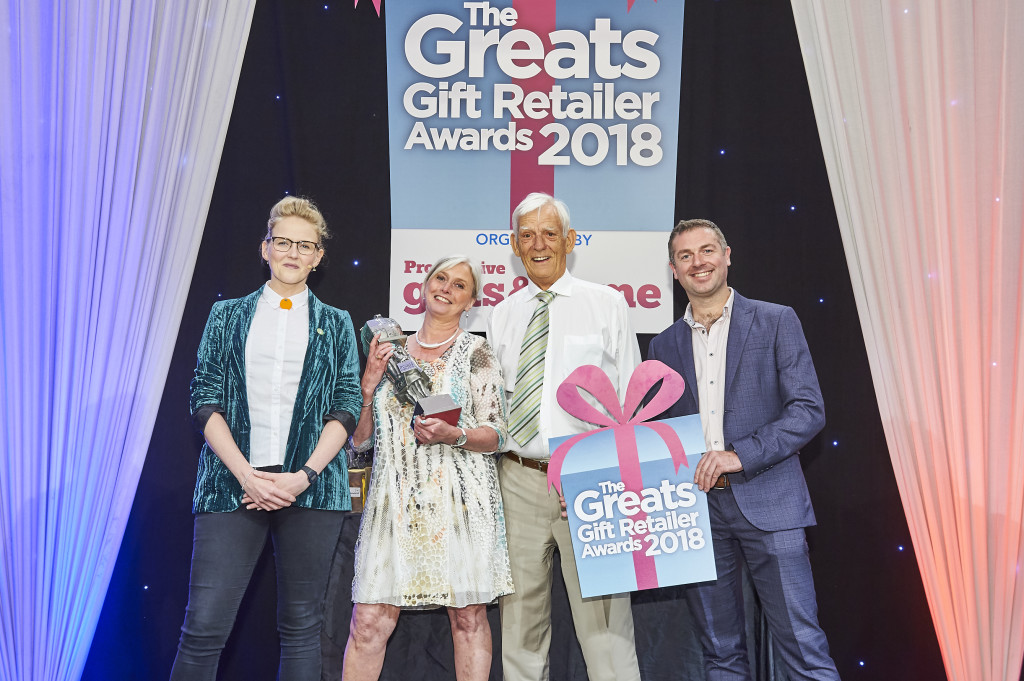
449 293
542 246
290 269
700 265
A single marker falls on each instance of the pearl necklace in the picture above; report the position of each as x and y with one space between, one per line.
431 346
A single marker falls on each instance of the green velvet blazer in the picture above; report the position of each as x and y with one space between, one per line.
328 389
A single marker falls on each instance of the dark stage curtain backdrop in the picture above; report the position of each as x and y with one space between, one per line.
310 118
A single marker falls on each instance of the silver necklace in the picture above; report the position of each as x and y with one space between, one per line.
431 346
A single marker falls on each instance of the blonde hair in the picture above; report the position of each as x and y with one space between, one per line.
296 206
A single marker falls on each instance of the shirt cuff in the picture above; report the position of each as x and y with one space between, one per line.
347 420
201 415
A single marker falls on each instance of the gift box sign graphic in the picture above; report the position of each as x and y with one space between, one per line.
636 518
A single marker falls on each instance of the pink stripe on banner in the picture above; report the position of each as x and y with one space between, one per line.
538 16
629 468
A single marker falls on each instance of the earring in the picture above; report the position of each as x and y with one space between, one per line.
314 268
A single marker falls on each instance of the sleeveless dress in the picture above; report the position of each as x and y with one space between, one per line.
433 527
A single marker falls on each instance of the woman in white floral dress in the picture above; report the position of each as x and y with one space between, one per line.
433 528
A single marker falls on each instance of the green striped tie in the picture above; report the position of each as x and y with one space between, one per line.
524 422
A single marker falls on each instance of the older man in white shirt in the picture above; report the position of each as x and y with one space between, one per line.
541 333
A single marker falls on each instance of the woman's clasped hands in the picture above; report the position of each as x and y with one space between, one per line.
265 491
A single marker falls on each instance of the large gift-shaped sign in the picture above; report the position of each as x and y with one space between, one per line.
637 519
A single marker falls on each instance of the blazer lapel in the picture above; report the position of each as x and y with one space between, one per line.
315 348
236 354
312 378
234 370
739 327
685 348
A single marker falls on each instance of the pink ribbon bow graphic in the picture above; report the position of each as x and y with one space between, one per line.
596 382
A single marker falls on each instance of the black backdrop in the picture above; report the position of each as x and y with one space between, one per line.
310 118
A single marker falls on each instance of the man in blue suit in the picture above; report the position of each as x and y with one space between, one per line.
749 374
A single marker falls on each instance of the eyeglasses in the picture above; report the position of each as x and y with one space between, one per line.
284 244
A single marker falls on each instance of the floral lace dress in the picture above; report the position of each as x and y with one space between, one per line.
433 528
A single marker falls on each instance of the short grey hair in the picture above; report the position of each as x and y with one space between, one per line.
449 261
536 201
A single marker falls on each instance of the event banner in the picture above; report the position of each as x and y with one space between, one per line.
615 530
637 519
489 101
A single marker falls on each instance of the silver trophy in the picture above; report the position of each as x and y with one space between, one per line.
411 384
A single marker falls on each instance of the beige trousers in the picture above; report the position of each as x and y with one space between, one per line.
604 625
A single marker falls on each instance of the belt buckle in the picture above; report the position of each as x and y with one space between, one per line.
525 462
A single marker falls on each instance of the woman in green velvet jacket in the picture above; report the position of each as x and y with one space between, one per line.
275 394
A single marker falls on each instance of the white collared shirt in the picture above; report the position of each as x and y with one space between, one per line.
588 324
275 352
709 367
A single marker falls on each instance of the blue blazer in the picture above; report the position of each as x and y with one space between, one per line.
773 407
328 389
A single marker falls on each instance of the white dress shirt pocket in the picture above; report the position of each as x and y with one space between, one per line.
580 350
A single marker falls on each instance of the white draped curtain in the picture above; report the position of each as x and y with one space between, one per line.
112 119
920 109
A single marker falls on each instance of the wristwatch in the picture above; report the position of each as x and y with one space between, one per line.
461 440
311 474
